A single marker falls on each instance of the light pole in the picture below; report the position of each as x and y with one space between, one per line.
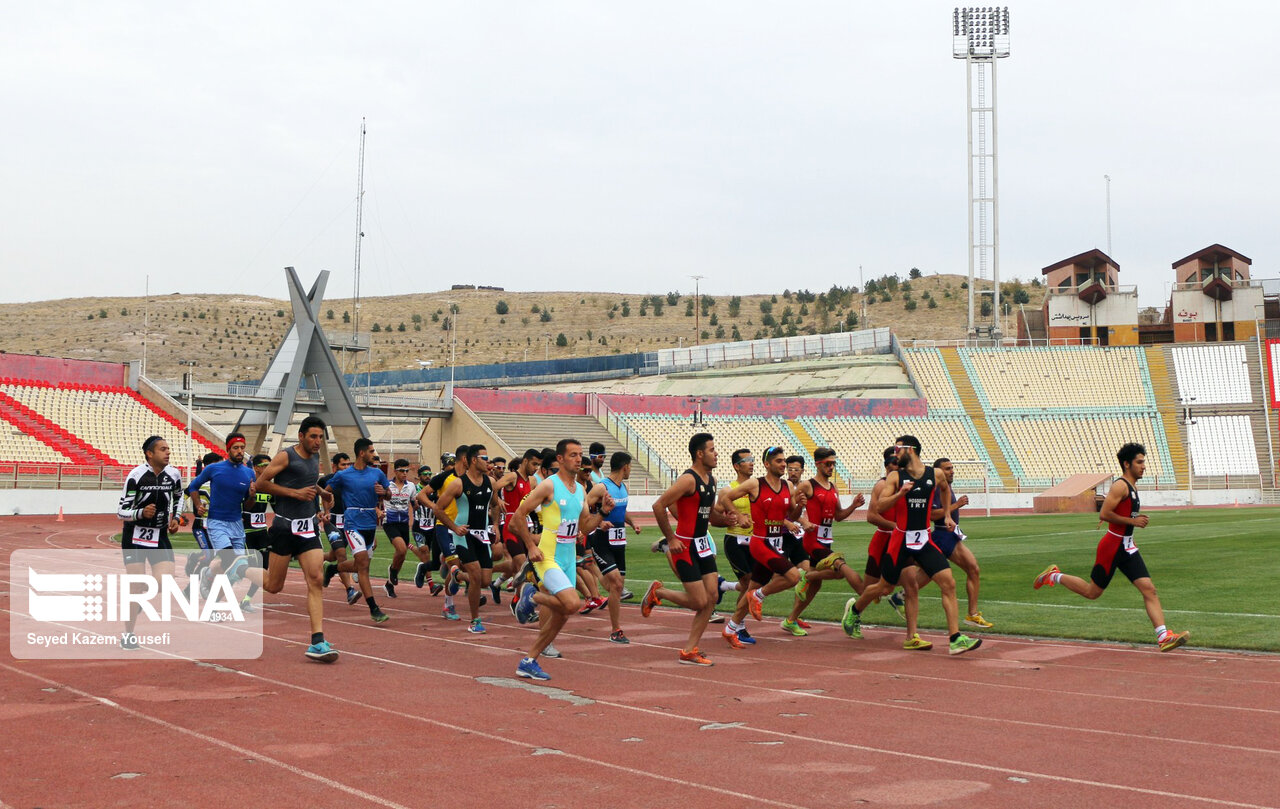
453 340
980 36
697 308
546 346
190 386
1107 177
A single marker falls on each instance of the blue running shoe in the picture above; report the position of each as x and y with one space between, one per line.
526 609
353 595
451 584
720 590
745 636
420 575
322 652
476 628
238 568
450 614
529 669
896 601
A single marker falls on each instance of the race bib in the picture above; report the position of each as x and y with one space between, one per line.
703 547
480 535
306 527
739 538
426 520
915 540
824 534
337 521
146 537
775 543
258 520
355 541
1129 546
617 536
798 533
567 532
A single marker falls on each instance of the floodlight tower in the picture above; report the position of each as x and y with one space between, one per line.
980 36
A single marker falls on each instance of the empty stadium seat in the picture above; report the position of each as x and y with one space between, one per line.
1222 445
1213 374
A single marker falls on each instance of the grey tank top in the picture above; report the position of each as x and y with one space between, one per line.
299 474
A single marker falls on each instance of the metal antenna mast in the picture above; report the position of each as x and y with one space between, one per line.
355 327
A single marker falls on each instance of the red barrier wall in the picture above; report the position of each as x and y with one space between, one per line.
545 402
554 402
58 370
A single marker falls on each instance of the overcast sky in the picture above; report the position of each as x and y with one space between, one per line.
616 146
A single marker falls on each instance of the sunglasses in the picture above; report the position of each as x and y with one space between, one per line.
261 465
747 459
483 457
828 462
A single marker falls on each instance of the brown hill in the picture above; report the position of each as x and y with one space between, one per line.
233 336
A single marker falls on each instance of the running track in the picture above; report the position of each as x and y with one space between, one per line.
419 713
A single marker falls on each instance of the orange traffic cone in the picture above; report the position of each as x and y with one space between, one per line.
59 515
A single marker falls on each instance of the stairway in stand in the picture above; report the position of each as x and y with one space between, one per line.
973 409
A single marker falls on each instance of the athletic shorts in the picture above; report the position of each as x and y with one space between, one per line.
420 539
139 555
875 550
555 580
226 534
445 541
946 541
1111 557
258 545
602 552
739 555
356 540
818 554
475 551
793 549
766 560
898 557
692 563
397 529
286 543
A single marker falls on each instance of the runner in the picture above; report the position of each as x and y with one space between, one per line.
396 524
609 542
471 492
907 603
795 469
424 535
772 515
953 545
333 526
916 488
1117 551
292 478
564 511
822 511
362 487
149 507
452 464
597 453
230 483
197 566
515 486
737 541
689 548
254 518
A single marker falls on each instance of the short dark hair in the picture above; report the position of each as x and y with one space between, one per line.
361 445
311 422
738 455
1129 453
211 458
232 438
771 452
699 443
596 448
498 459
890 456
473 450
461 452
822 453
151 442
563 444
401 463
339 457
532 454
938 463
910 441
795 459
262 458
547 457
619 460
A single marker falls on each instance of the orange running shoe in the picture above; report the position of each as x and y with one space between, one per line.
650 600
694 658
1172 640
731 638
1045 577
755 604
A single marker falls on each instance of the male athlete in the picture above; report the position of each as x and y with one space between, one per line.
396 524
424 535
362 487
471 492
291 478
910 601
337 553
737 541
230 482
452 465
953 546
515 486
254 519
609 542
1117 551
149 506
689 548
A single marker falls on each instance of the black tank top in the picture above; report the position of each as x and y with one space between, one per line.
919 501
478 497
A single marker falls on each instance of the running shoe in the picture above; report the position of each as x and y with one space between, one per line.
977 620
851 621
238 568
588 606
524 608
389 587
496 589
745 637
451 585
322 652
618 637
484 600
694 658
246 605
420 575
916 644
1172 640
716 618
803 624
193 559
393 576
899 604
802 586
627 595
330 570
129 642
476 628
794 628
380 617
529 669
510 584
964 643
436 589
353 595
206 582
731 638
659 547
650 600
1045 577
528 573
720 590
552 652
450 614
755 604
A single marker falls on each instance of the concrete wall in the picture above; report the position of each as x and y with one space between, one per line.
445 434
555 402
59 370
48 501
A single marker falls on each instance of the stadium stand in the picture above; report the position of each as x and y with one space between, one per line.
1222 445
17 445
1046 449
1213 374
931 372
1059 378
860 443
669 436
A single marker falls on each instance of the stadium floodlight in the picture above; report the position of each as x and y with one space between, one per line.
980 36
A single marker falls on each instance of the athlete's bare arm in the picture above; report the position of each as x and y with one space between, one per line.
664 508
724 500
446 499
891 485
1118 492
943 491
874 515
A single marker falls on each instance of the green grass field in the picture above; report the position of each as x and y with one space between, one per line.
1216 570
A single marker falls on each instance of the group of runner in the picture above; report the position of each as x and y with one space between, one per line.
552 529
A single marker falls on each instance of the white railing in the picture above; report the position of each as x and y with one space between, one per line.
630 440
174 388
752 352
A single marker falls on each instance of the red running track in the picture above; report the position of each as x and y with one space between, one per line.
419 713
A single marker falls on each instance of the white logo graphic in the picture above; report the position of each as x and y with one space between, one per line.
120 592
